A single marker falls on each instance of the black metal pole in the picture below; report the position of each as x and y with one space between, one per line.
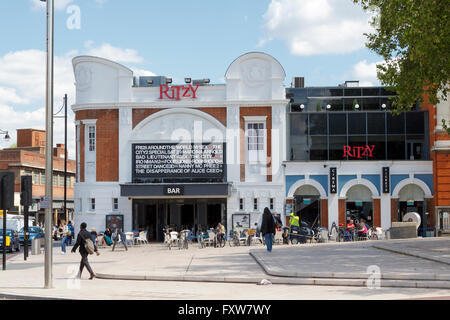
65 155
4 224
25 232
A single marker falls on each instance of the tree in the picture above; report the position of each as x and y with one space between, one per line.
413 37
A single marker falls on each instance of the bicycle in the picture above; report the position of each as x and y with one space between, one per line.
220 240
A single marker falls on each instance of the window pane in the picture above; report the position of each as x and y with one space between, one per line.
350 103
395 124
338 124
374 92
356 123
299 124
315 105
336 92
396 147
375 123
415 123
318 124
371 104
318 148
379 147
337 144
352 92
335 104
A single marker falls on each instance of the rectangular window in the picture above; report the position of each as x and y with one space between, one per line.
338 123
55 180
36 179
318 124
337 144
375 123
319 150
255 204
396 147
241 204
92 204
115 204
271 203
357 123
61 181
379 149
91 134
255 135
395 124
43 178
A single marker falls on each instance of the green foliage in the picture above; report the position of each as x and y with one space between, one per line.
445 127
14 145
319 106
413 37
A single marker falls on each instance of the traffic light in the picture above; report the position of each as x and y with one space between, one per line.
26 191
7 190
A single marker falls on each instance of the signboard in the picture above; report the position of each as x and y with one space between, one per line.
358 152
410 203
178 160
44 202
173 190
177 92
386 180
358 203
241 221
333 180
307 201
1 213
114 219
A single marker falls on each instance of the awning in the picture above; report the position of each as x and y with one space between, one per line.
175 190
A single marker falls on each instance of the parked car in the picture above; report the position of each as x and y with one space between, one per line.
12 240
33 232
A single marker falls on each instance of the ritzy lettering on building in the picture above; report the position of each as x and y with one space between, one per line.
359 152
177 92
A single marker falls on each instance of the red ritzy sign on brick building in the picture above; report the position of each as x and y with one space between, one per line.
177 92
359 152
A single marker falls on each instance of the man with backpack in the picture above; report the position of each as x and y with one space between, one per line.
87 247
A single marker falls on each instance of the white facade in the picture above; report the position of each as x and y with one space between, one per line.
252 80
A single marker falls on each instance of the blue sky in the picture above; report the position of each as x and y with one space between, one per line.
319 39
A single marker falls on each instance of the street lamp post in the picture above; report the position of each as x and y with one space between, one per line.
48 265
7 137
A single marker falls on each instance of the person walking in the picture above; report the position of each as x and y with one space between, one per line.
268 228
84 235
71 231
64 236
117 235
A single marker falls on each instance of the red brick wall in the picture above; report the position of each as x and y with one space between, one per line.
140 114
394 210
256 111
107 143
377 212
324 212
341 212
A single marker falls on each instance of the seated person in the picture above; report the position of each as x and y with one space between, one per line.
362 229
350 225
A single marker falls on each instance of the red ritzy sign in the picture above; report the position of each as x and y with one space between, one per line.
177 92
359 152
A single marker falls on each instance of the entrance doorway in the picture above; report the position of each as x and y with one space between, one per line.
307 205
411 199
153 215
359 205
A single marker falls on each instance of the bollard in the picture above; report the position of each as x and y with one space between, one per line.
36 246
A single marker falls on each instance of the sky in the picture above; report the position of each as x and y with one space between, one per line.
321 40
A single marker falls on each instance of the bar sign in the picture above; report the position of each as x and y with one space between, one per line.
386 180
333 181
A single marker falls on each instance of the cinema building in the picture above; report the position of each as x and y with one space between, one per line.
349 157
151 153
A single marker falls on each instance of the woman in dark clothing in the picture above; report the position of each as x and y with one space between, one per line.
82 236
268 228
107 235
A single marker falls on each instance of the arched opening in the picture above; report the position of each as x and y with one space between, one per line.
307 204
359 204
411 199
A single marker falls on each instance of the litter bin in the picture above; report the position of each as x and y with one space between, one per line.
36 246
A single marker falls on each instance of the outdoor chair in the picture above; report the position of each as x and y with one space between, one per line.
243 236
211 238
99 241
141 238
129 238
278 239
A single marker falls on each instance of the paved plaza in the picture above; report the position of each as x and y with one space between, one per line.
311 271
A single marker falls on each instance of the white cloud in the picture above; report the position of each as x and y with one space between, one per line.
311 27
23 86
117 54
142 73
366 73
